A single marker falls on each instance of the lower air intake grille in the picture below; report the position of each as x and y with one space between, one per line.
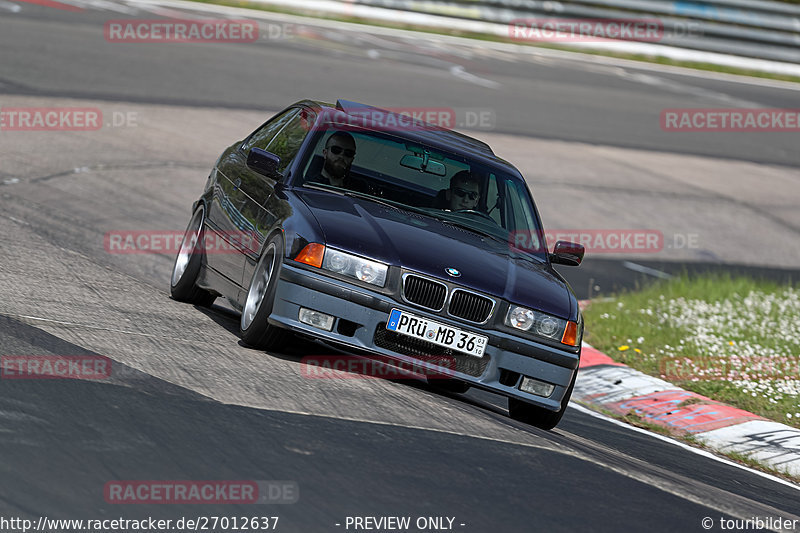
430 353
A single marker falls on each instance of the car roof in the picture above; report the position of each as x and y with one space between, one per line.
434 136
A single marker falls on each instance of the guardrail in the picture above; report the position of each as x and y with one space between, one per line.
752 28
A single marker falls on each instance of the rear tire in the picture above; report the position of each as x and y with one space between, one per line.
538 416
186 269
253 327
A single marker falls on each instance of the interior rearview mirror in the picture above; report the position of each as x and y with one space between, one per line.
423 164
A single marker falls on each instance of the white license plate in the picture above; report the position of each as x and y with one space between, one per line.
436 333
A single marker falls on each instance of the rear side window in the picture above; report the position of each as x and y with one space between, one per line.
264 135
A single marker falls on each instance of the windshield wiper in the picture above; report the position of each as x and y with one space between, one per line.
521 253
377 199
353 194
391 203
472 229
508 251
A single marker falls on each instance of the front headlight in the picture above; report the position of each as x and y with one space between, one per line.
520 318
355 267
543 325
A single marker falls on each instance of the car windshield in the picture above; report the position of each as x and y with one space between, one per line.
410 175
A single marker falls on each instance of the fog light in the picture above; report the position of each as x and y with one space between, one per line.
316 319
534 386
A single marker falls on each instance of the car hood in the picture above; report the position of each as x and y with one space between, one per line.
426 245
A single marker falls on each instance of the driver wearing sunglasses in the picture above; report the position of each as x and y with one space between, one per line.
338 154
464 191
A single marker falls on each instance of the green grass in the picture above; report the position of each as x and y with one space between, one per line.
495 38
735 340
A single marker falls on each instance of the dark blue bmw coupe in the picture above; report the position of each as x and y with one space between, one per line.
384 235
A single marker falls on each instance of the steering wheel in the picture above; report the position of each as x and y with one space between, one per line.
475 212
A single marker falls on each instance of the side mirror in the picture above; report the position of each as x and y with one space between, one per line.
567 253
263 162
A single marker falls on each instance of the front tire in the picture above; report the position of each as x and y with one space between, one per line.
450 385
253 327
183 283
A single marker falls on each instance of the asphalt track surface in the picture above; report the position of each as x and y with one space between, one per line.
185 401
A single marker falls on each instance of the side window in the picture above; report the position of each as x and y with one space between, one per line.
262 136
521 216
286 144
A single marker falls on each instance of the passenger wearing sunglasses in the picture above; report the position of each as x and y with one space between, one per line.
464 192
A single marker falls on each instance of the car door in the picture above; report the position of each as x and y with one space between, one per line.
233 212
264 209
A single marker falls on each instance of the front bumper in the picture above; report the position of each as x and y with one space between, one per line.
506 359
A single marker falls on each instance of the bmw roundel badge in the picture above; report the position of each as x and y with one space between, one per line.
452 272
